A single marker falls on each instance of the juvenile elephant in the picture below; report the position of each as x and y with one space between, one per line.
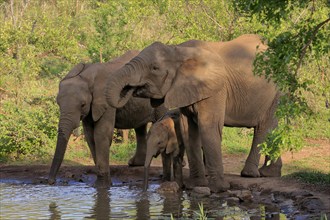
168 137
81 97
214 86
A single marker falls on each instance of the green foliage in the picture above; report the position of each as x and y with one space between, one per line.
298 34
37 44
236 140
201 214
319 121
109 20
27 129
41 40
311 177
269 11
284 138
121 153
323 216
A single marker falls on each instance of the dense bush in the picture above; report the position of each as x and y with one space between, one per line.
28 129
41 40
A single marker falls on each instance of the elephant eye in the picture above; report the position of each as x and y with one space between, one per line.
154 67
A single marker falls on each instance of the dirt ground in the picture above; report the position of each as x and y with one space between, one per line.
122 174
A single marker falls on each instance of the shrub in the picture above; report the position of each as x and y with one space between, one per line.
28 128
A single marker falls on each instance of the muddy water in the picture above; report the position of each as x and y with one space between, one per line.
81 201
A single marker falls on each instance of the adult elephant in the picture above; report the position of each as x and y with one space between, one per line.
81 97
214 86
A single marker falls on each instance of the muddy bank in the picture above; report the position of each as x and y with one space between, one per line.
279 192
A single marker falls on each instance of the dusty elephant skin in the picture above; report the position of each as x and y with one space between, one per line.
81 97
214 86
167 137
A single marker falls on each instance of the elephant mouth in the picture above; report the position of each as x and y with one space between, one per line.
145 91
142 91
128 88
156 102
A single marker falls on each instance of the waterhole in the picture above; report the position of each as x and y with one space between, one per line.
25 194
81 201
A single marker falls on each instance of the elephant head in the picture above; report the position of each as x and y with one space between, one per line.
176 75
161 139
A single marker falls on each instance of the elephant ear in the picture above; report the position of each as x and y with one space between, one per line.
99 102
75 71
200 75
172 143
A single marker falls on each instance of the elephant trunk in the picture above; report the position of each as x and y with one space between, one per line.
121 84
65 129
147 163
146 178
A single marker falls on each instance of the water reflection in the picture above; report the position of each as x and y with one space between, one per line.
142 208
173 205
120 202
273 213
101 208
54 212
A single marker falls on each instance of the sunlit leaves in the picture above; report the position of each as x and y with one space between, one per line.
297 33
41 40
27 129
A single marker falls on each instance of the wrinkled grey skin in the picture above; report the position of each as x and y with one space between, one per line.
81 97
214 86
167 137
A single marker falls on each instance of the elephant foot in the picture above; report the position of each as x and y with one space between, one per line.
194 182
220 185
51 181
180 184
136 161
166 177
103 181
250 170
273 170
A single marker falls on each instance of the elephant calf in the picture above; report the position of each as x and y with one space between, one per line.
167 137
81 97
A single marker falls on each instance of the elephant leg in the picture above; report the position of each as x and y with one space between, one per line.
194 154
166 160
103 137
273 169
211 116
141 147
252 162
177 167
260 132
88 126
213 158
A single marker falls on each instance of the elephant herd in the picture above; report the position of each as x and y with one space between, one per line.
188 91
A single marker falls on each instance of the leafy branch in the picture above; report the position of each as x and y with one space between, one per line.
304 49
